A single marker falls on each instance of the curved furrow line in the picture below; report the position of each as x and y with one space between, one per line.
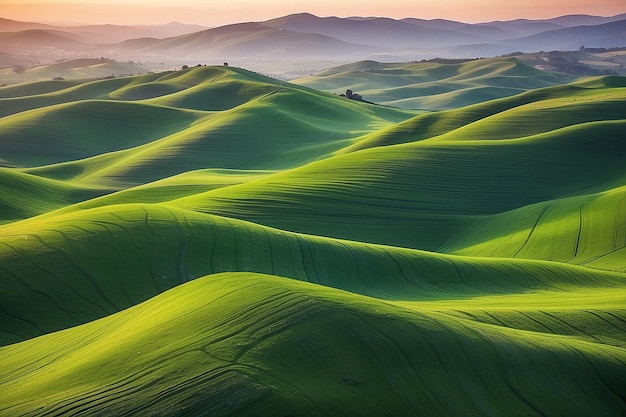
474 271
19 319
441 359
458 273
11 337
115 235
95 236
496 319
508 320
507 360
278 305
154 273
354 269
108 226
405 364
296 255
126 389
383 363
580 231
598 257
530 233
18 277
214 378
70 262
231 321
590 365
540 323
241 254
473 373
473 362
281 254
308 266
89 403
302 395
463 314
597 314
617 223
524 399
234 248
496 249
186 237
615 316
214 243
270 255
452 240
270 327
251 263
51 300
570 325
372 268
422 279
147 223
399 268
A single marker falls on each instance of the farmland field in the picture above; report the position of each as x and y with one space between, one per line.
216 242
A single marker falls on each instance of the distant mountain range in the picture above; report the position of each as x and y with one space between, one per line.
305 36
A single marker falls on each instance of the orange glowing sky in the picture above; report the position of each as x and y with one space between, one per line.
215 13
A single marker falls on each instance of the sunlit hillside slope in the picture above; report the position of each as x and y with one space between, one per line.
216 242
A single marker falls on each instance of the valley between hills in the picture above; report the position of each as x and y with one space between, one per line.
217 242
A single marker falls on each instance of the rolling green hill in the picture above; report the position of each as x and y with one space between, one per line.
436 84
243 344
78 69
216 242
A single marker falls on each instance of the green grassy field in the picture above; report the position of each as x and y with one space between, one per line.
216 242
78 69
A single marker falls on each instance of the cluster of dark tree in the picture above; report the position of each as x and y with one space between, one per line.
576 67
354 96
601 50
200 65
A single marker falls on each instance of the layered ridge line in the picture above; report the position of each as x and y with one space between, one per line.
82 266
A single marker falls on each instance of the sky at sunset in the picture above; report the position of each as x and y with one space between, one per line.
214 13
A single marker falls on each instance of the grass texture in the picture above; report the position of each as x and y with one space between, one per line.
216 242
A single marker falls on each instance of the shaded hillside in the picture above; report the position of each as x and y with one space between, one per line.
380 32
247 40
214 241
37 39
105 33
567 39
